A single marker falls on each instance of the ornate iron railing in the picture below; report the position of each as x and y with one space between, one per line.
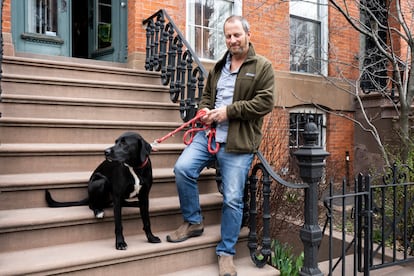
262 257
168 52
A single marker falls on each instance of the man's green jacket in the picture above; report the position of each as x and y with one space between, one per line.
252 99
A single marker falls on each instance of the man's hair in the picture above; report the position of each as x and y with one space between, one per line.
245 24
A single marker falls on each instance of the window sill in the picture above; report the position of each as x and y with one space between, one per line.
103 52
41 38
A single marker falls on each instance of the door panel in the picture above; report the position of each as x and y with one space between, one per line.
42 27
106 41
94 29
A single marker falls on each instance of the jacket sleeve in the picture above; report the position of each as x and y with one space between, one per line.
206 97
259 100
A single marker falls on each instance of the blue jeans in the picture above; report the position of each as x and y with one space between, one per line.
234 169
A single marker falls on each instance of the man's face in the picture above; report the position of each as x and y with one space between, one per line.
237 40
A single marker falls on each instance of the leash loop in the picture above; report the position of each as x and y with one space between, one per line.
189 134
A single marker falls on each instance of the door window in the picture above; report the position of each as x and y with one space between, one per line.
104 18
42 17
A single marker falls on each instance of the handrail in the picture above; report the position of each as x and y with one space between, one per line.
262 256
168 51
277 177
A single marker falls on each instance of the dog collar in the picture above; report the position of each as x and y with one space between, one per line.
144 163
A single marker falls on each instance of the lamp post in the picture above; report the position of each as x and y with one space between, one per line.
311 159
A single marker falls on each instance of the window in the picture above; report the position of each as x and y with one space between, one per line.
374 65
304 45
297 121
205 20
42 17
308 36
104 23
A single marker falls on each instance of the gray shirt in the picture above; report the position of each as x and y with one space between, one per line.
224 97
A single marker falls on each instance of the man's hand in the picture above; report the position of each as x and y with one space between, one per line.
216 115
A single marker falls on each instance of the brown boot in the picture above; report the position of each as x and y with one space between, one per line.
185 231
226 266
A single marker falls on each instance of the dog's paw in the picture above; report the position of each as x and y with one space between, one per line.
99 214
153 239
121 246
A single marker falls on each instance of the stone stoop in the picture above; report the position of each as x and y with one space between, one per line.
195 256
245 267
57 117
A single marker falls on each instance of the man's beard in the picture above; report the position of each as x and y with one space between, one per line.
240 50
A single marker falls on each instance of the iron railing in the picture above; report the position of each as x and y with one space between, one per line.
268 175
379 225
168 52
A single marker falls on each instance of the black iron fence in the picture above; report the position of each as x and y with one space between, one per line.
375 220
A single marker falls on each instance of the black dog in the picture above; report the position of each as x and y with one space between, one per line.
126 173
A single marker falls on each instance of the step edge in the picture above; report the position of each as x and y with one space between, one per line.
36 181
43 217
70 101
85 255
14 78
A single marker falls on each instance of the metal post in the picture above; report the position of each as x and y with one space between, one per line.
311 164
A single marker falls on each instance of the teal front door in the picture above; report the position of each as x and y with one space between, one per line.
94 29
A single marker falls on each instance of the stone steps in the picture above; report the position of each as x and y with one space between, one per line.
50 130
57 117
88 109
27 190
27 228
98 257
60 157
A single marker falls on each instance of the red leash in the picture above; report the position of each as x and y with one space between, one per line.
211 132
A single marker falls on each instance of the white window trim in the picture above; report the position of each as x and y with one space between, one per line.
323 19
237 10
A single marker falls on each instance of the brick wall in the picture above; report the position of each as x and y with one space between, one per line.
276 138
343 45
269 23
139 10
340 137
6 16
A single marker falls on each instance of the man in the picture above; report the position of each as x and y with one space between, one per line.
238 93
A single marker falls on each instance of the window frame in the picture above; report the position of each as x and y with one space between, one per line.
308 48
320 121
32 26
301 9
190 28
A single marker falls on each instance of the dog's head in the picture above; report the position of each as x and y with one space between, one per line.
129 148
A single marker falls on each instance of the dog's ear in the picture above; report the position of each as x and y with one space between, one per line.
145 150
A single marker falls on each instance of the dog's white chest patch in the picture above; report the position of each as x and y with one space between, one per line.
137 183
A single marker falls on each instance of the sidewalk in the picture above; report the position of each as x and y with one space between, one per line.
396 270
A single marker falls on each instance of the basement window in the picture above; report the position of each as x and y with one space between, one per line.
297 121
